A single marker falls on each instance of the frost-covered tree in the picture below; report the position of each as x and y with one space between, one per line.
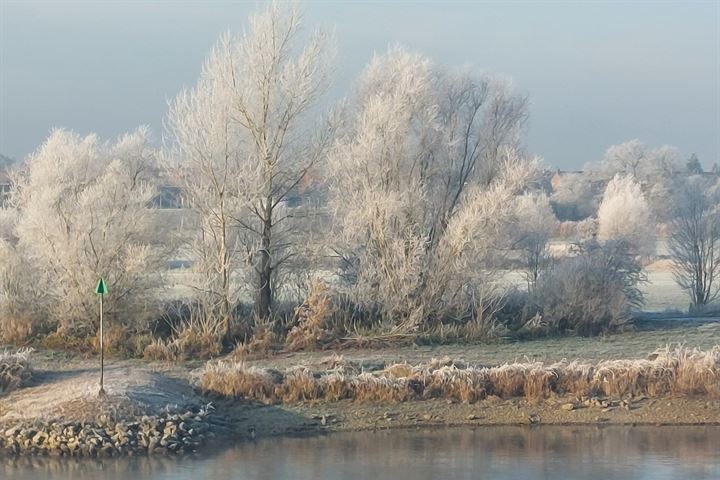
82 214
422 179
536 223
624 214
647 165
656 169
593 292
694 241
574 197
242 142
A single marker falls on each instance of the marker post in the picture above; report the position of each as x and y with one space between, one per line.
101 290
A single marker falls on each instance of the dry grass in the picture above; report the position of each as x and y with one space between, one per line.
312 330
667 372
251 382
187 343
66 341
17 330
198 334
15 369
263 342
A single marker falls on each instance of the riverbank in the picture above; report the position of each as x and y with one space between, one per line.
59 411
143 410
671 387
230 421
260 421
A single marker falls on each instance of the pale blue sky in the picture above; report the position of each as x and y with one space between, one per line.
598 73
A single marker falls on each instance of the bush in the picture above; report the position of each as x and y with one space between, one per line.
625 214
21 313
81 214
62 339
263 342
194 335
313 327
188 343
592 293
15 369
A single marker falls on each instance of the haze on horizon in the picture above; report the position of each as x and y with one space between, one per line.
597 74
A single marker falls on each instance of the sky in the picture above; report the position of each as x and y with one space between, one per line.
597 72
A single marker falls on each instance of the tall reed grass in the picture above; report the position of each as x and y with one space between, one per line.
667 372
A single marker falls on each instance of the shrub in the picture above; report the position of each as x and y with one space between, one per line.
264 341
196 336
63 339
592 293
159 349
15 369
234 380
21 312
415 233
625 214
189 343
313 321
81 214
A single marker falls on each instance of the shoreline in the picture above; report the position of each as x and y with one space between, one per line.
231 422
300 401
347 416
231 425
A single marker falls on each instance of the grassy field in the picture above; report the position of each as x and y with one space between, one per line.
662 293
652 334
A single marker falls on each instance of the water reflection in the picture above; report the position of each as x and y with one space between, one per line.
498 453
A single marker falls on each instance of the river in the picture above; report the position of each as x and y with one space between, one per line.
497 453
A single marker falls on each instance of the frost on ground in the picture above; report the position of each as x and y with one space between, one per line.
72 395
666 372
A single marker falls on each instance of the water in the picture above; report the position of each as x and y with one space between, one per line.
497 453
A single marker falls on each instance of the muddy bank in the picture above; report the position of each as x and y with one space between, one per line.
257 421
671 386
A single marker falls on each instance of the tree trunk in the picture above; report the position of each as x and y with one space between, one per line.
225 282
263 303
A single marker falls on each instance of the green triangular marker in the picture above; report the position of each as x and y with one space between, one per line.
101 288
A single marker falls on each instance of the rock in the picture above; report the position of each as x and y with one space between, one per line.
472 416
427 417
567 407
166 433
39 438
